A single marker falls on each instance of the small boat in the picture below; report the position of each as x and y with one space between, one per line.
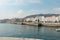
58 30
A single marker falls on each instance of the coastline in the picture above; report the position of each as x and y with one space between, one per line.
51 24
40 24
37 24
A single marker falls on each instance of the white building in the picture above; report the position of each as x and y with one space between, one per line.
41 18
59 18
30 19
44 19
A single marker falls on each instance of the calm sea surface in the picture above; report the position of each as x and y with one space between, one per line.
25 31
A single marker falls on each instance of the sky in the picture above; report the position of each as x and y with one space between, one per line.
23 8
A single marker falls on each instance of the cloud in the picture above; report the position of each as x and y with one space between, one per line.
35 1
21 13
6 16
56 10
32 12
12 2
18 2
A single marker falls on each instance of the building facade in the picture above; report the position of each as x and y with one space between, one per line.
44 19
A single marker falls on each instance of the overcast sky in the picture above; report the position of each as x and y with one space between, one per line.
22 8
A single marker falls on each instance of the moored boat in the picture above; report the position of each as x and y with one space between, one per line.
58 30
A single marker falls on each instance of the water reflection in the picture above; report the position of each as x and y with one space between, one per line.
11 30
48 33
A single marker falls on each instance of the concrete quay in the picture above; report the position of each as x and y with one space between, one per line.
32 23
51 24
42 24
37 24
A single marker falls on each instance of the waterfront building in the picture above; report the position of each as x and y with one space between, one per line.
44 19
29 19
59 18
50 19
41 19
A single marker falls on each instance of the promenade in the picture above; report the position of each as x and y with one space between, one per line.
10 38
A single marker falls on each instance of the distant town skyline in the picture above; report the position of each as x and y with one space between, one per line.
22 8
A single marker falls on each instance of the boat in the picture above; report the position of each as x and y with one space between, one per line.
58 30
